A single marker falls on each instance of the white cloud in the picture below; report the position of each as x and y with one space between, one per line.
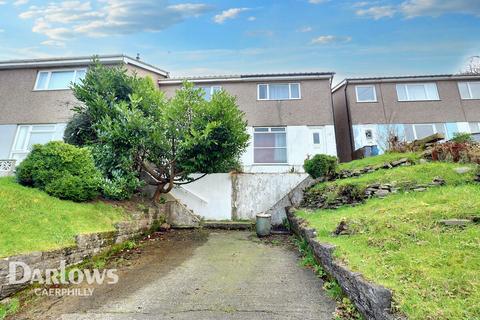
328 39
3 2
252 18
20 2
2 30
377 12
54 43
305 29
63 20
231 13
417 8
317 1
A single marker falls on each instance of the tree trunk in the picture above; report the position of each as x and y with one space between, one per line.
158 192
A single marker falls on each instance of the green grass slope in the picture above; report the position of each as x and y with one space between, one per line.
404 176
378 160
31 220
433 271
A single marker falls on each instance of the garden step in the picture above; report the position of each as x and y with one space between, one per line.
229 225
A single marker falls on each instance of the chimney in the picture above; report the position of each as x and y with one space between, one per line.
138 56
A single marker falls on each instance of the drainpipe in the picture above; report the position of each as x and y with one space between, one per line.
349 120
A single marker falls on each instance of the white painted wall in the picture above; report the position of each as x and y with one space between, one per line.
299 146
7 135
212 198
258 192
380 132
209 197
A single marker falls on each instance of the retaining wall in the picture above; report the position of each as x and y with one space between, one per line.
373 301
86 245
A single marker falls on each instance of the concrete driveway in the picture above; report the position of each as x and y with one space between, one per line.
201 275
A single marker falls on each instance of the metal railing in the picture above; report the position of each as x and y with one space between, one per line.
7 167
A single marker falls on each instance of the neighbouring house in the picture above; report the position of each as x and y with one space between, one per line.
36 102
290 116
368 109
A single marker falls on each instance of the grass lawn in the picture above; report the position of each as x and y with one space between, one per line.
433 271
31 220
378 160
409 175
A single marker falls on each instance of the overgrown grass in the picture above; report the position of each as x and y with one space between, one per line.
378 160
9 308
409 175
31 220
434 271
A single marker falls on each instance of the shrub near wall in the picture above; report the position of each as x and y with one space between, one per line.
62 170
321 165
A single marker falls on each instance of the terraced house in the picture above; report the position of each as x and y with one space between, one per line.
368 109
36 102
290 116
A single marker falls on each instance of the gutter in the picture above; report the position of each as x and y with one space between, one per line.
239 79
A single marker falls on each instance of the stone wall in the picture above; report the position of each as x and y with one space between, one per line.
86 246
373 301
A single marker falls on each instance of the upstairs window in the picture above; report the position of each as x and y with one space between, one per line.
366 93
209 91
59 79
278 91
270 145
469 90
417 92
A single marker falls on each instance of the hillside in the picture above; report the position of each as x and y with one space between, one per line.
397 240
35 221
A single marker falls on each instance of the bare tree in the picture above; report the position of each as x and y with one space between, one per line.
472 66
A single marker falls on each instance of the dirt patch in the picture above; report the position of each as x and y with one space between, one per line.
156 255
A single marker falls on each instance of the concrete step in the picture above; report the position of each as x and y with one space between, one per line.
229 225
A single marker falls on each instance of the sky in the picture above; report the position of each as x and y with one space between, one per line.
207 37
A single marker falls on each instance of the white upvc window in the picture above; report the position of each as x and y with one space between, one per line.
366 93
278 91
270 145
417 92
209 91
469 90
474 127
58 79
422 130
28 135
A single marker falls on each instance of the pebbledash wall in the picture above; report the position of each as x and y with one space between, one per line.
306 120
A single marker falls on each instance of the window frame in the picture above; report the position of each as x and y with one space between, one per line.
269 130
424 84
469 90
433 125
30 128
203 87
375 99
289 91
49 76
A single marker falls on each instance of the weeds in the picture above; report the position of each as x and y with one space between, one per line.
9 308
345 308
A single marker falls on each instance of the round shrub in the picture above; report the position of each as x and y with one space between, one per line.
321 165
62 170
